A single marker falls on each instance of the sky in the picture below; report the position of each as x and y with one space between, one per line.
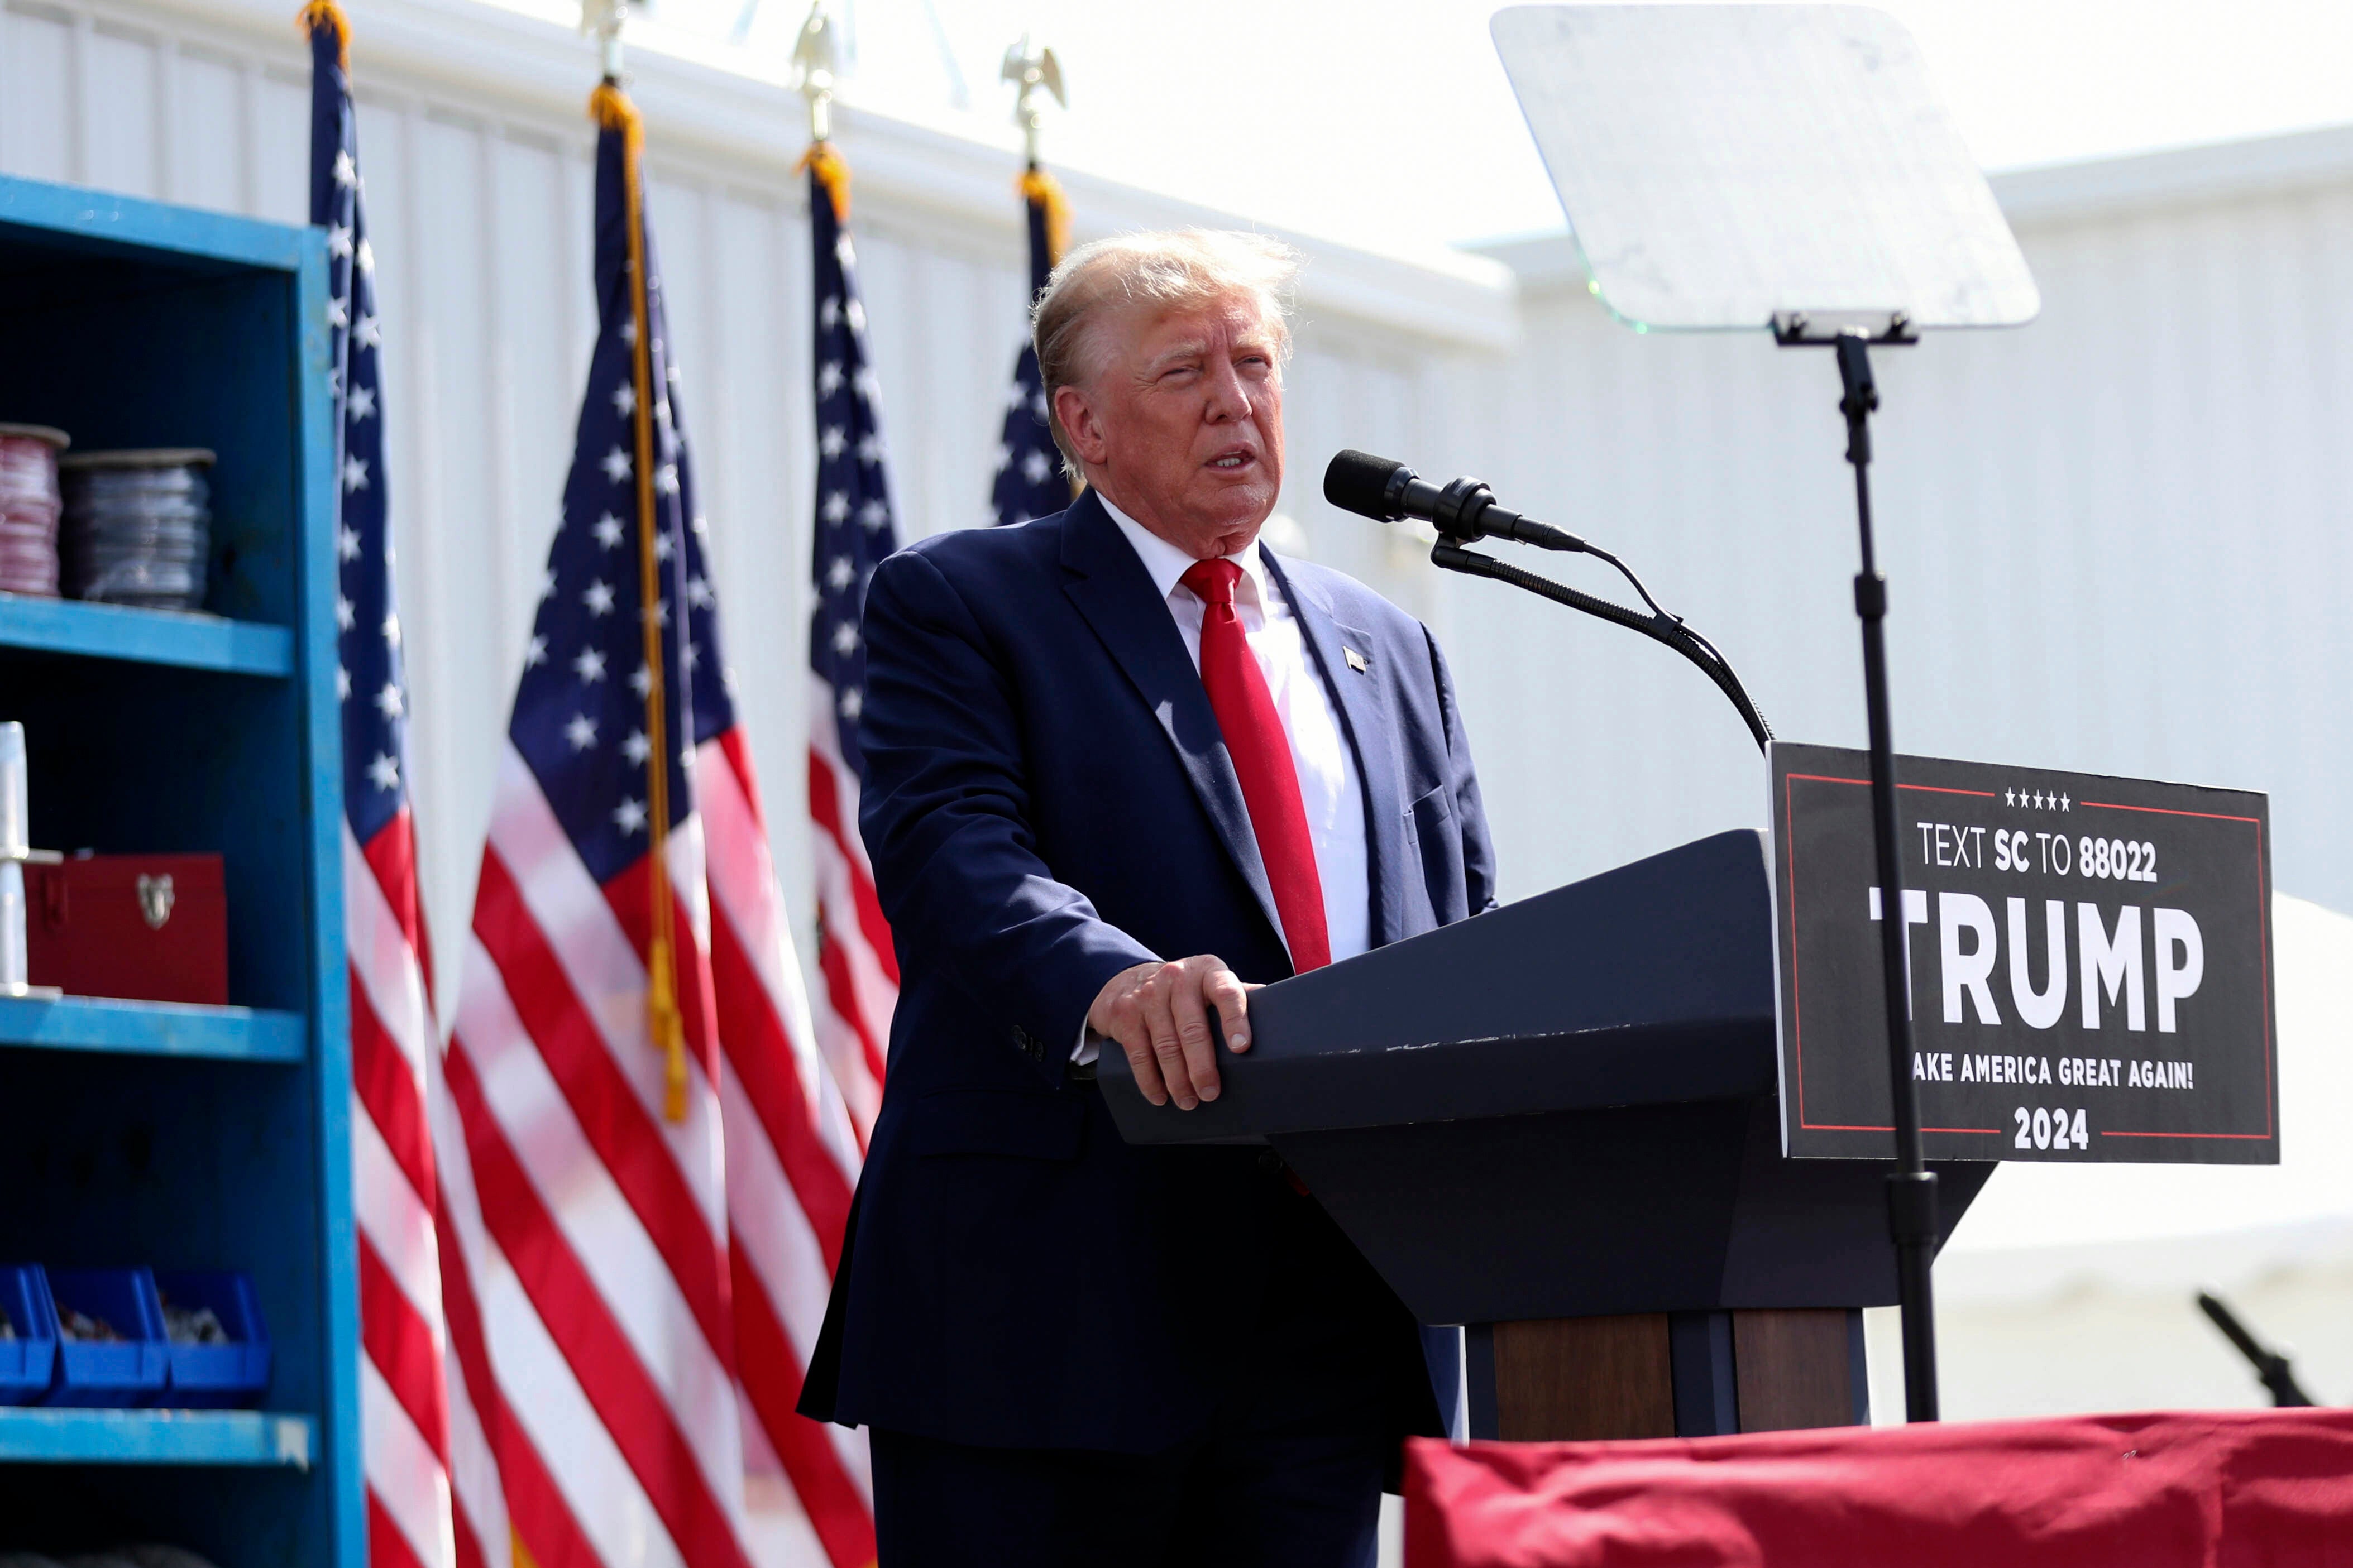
1367 119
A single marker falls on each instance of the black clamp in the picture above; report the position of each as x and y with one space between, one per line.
1912 1207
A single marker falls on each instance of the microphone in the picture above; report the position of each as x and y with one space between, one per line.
1463 509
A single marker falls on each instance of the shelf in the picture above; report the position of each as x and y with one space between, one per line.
146 636
151 1029
155 1437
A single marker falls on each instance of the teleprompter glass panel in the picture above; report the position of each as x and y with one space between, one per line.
1724 165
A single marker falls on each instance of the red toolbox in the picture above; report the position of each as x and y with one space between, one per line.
153 927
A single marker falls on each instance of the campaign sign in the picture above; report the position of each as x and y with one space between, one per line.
2090 963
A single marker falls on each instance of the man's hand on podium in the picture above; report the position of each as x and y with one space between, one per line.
1159 1014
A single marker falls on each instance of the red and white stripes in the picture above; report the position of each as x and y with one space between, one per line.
633 1300
855 955
405 1402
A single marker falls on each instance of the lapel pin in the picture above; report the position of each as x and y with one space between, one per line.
1356 660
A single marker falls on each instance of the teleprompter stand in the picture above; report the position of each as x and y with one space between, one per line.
1788 167
1912 1187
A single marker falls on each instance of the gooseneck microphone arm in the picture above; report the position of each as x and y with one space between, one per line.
1659 627
1464 511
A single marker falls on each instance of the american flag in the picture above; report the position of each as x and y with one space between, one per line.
1029 480
646 1258
405 1413
853 533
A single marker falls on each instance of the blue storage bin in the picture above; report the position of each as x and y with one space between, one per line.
29 1360
233 1376
125 1372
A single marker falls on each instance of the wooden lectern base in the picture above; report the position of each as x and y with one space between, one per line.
1667 1374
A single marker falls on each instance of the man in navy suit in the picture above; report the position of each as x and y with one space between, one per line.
1122 765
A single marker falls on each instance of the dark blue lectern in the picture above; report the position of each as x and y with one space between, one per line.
1556 1124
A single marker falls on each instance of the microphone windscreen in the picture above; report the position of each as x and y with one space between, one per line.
1359 482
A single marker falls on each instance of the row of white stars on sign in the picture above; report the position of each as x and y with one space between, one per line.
2035 800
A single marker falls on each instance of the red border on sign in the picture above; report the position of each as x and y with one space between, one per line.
1796 1011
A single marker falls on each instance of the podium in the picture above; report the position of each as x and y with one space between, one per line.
1556 1125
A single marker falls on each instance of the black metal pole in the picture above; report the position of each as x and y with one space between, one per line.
1912 1190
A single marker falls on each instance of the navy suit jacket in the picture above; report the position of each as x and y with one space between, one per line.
1047 802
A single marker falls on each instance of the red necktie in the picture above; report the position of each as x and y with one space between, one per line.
1262 753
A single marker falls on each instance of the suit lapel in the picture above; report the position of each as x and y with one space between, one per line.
1344 654
1112 591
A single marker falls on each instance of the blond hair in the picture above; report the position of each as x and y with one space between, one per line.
1169 270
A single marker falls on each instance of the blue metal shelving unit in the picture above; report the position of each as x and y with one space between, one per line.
176 1136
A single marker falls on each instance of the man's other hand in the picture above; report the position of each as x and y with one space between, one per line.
1159 1014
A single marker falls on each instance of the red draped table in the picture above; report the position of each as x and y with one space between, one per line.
2172 1489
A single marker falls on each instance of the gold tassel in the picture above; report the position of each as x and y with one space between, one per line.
610 107
1041 188
612 111
320 14
831 173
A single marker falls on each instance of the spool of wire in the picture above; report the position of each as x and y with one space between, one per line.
138 527
28 509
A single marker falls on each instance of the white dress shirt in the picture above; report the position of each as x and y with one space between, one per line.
1319 752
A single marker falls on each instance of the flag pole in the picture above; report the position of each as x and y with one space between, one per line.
610 107
1030 69
818 56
